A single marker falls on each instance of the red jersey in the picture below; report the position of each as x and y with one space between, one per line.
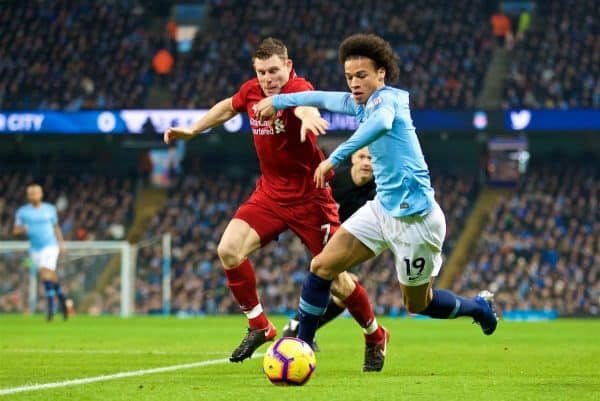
287 165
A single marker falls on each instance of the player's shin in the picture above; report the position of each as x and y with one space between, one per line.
359 307
332 311
62 300
241 280
313 302
49 291
59 293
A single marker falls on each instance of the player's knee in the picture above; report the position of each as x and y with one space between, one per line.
321 269
343 286
229 255
47 274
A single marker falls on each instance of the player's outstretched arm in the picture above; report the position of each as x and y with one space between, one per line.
19 228
376 125
59 238
338 102
217 115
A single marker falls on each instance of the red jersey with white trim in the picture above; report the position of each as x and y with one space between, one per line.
287 165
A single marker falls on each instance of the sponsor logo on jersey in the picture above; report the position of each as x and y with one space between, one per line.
268 127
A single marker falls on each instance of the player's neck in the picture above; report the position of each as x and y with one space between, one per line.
378 87
36 204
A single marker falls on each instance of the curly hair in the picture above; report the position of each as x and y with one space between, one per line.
270 47
373 47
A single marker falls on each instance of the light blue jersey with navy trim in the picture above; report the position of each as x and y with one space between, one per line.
39 222
385 125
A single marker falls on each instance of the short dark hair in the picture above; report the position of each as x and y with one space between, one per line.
270 47
373 47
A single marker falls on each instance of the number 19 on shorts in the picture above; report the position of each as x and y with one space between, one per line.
414 268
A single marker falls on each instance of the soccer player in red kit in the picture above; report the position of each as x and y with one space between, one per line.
285 197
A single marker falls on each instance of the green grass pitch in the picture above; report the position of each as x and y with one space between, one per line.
427 360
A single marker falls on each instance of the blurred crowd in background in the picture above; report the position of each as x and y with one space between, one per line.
65 55
539 250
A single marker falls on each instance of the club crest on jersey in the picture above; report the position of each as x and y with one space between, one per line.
278 123
279 127
374 102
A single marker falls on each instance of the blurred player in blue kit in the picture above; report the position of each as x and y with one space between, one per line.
39 222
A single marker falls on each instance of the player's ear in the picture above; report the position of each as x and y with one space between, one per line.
289 64
381 74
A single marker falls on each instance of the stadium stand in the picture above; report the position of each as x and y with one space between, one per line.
64 55
98 55
444 52
557 65
198 210
540 249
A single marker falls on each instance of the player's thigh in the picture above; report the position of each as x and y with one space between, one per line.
255 224
314 222
342 252
416 298
46 259
238 241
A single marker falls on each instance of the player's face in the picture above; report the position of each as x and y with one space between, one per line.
272 73
363 78
34 194
361 164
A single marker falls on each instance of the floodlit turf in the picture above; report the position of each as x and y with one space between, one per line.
427 360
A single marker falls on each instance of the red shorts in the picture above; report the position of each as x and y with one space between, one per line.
314 221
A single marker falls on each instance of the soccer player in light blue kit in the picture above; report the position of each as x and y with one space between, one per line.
39 221
404 216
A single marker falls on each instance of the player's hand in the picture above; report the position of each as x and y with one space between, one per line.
321 172
173 133
315 124
264 109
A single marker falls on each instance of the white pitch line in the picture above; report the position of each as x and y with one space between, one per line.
75 382
102 352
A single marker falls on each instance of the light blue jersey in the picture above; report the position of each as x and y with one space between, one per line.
39 222
385 125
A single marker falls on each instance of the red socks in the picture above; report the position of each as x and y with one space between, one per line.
359 307
241 281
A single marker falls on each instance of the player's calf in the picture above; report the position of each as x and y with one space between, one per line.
49 292
62 300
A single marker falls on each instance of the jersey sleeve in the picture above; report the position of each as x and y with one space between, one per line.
239 99
380 121
297 85
338 102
